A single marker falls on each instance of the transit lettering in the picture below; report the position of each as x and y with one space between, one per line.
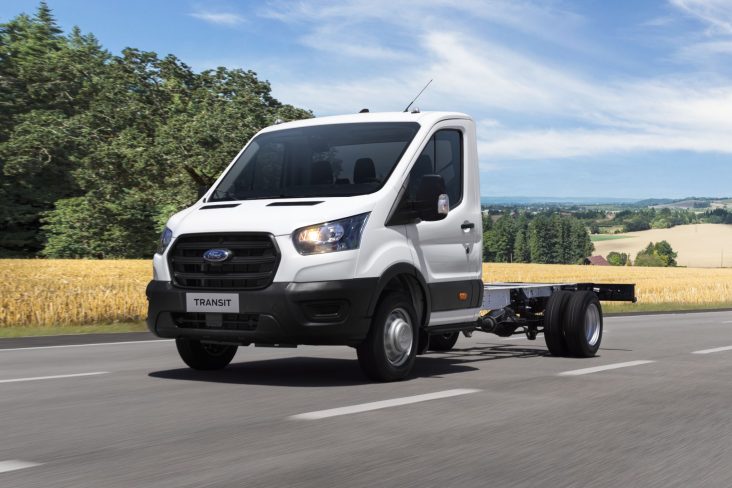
212 302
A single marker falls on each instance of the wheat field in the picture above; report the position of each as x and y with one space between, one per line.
77 292
36 292
668 288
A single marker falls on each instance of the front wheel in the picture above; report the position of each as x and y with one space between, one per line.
204 356
389 350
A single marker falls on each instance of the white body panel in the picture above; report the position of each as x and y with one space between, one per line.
443 251
440 250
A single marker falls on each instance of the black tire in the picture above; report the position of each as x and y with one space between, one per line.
443 342
554 323
424 342
390 348
583 324
204 356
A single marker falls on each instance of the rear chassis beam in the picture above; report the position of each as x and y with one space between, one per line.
518 308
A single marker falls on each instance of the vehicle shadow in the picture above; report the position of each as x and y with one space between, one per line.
334 372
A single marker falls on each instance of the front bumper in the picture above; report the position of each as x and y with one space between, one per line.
321 312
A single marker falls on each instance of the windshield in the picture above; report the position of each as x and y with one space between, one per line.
317 161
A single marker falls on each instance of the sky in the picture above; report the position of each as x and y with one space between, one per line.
585 98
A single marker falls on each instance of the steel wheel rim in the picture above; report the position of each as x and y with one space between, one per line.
398 337
592 324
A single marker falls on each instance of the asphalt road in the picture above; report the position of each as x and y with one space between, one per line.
493 412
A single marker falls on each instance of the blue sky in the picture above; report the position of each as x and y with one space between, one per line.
589 98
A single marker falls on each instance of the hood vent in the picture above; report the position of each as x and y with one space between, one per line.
223 205
294 204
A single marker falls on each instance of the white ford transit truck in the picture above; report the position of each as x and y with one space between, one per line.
362 230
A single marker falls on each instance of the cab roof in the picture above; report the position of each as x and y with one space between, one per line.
423 118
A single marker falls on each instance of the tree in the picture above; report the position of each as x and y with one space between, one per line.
548 237
617 259
664 251
542 240
46 81
660 254
521 251
96 151
501 239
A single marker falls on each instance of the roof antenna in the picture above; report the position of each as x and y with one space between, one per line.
418 94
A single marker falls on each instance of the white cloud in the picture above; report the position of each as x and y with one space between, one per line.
337 40
573 143
716 43
716 13
527 106
219 18
705 50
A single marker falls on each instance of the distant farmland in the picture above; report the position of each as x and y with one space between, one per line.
698 245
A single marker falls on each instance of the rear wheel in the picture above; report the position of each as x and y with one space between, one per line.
204 356
583 324
554 324
389 350
443 342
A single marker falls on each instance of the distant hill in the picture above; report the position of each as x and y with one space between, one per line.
690 203
681 203
520 200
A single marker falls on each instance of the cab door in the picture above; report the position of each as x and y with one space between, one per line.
448 252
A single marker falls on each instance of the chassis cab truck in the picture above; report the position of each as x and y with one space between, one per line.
362 230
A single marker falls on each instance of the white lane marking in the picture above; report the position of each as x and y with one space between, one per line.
85 345
394 402
716 349
727 322
54 377
578 372
14 465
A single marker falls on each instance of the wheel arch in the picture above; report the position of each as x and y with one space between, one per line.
404 277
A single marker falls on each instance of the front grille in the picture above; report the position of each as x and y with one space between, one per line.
225 321
252 265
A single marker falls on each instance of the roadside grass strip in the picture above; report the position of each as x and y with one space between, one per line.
716 349
14 465
93 344
54 377
607 367
395 402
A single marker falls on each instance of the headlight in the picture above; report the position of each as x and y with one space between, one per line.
338 235
165 239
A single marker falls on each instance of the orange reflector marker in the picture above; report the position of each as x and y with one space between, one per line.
462 296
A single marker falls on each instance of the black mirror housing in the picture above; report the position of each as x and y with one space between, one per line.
432 201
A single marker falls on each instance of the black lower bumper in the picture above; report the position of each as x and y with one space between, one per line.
324 312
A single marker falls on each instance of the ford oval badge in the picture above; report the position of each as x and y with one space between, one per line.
217 255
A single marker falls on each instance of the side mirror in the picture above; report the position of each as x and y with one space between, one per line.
202 191
432 201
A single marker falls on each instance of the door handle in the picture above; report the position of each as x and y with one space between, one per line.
467 225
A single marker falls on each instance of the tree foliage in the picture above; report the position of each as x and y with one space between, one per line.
97 150
542 238
659 254
618 259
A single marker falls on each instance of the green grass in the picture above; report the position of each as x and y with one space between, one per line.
7 332
620 307
606 237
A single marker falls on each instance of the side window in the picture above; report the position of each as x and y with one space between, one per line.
443 155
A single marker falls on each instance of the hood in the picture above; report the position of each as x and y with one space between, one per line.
278 217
